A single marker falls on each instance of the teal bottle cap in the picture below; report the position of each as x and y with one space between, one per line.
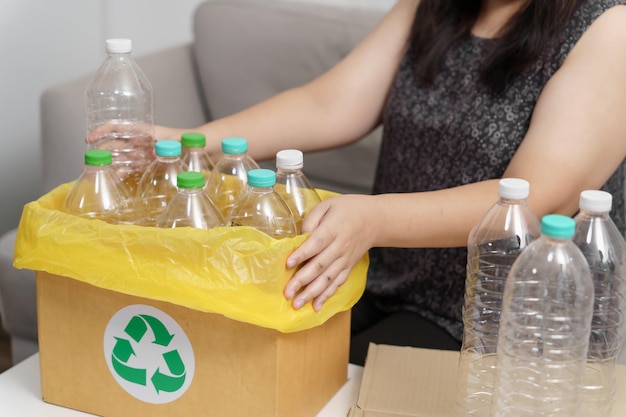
168 148
261 177
233 146
558 226
190 179
98 157
193 140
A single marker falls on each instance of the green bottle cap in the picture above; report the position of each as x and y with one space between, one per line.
168 148
558 226
261 177
233 146
98 157
190 179
193 140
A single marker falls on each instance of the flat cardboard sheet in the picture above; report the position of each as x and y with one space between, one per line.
410 382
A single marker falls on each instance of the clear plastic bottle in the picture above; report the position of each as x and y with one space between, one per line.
545 326
195 155
261 207
158 184
190 207
293 185
229 176
604 248
98 193
120 112
494 244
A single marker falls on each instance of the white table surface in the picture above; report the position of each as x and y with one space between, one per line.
20 394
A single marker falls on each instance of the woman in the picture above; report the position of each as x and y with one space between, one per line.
468 92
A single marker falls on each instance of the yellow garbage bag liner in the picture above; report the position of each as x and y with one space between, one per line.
238 272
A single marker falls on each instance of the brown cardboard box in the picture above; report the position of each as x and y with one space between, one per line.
411 382
117 355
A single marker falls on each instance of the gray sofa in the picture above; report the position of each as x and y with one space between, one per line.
243 52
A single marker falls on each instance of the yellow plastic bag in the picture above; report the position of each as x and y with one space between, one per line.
238 272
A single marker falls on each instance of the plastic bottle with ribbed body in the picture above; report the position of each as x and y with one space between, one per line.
158 184
604 248
230 175
494 244
293 185
120 112
544 327
98 193
194 153
261 207
190 207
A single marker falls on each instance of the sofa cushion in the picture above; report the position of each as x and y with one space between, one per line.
248 51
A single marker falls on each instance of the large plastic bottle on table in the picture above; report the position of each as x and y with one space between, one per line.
604 248
261 207
494 244
229 177
120 112
157 186
293 185
98 193
194 153
544 327
190 207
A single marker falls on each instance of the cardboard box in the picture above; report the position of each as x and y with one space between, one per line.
411 382
108 353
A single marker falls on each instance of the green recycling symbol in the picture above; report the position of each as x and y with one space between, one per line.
145 351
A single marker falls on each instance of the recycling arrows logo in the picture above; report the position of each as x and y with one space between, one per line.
148 354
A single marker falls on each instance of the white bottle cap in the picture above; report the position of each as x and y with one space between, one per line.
119 46
513 188
596 200
289 159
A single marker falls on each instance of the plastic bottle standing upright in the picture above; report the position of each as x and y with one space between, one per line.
98 193
195 155
494 244
158 184
545 326
190 207
604 248
261 207
120 112
293 185
229 176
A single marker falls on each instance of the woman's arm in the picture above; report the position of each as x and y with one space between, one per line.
576 139
336 108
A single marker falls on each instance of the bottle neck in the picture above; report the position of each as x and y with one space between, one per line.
287 171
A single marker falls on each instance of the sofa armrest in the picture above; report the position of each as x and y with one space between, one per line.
18 306
177 98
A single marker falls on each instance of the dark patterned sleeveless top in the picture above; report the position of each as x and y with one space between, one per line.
450 134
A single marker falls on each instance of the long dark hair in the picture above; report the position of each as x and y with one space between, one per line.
440 24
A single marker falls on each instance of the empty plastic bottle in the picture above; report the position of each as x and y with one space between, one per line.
120 112
604 248
493 245
190 207
98 193
229 176
293 185
194 153
545 326
158 184
261 207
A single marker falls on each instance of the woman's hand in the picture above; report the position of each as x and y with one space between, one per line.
342 231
